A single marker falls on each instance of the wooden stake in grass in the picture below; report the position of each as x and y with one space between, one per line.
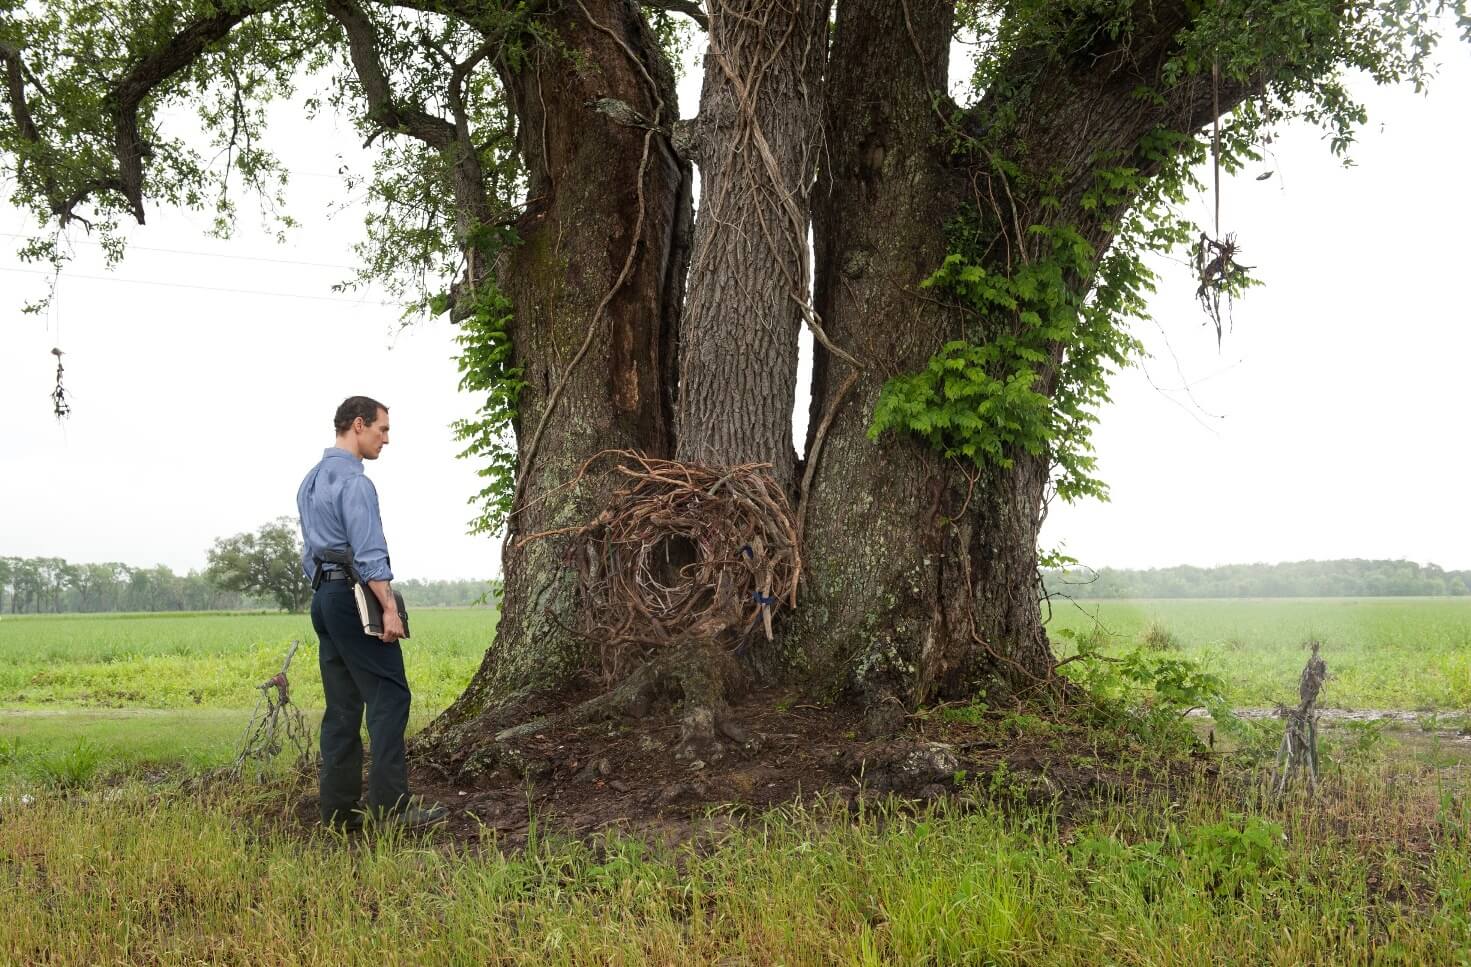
1299 749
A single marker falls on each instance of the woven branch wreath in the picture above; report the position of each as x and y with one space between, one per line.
682 551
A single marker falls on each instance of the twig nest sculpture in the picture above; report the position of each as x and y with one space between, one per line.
683 551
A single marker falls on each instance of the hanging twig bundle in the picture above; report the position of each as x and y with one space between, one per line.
1219 274
683 551
60 405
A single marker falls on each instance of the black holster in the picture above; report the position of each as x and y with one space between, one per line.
342 559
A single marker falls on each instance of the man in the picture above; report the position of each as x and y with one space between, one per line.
339 511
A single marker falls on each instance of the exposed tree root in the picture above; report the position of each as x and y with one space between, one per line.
699 675
704 675
632 692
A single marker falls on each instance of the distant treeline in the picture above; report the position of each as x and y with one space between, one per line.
447 594
32 585
1296 579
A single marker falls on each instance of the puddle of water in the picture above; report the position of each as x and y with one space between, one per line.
1441 739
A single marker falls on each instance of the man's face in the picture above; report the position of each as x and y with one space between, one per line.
372 438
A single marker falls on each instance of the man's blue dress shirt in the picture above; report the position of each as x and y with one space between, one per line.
338 505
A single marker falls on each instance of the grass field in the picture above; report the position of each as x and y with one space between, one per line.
1376 869
106 694
1383 653
174 690
105 859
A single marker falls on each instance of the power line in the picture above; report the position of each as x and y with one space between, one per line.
203 288
183 251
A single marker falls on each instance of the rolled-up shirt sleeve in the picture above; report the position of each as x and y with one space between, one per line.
364 527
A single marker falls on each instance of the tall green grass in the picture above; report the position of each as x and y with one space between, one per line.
1198 877
99 868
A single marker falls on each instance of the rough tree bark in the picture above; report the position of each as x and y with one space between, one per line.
597 284
756 146
922 579
920 572
895 552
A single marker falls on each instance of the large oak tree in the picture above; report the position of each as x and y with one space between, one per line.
978 253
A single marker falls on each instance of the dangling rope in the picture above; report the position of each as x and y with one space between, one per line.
1216 133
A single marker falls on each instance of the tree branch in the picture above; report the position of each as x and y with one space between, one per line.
362 40
690 8
17 75
123 98
128 93
1103 86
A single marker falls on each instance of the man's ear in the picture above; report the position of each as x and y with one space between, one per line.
358 425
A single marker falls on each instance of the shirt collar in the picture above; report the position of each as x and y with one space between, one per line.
331 452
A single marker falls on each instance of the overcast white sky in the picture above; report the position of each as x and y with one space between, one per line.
1331 423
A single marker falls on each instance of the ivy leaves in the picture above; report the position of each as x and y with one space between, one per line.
487 366
986 401
967 403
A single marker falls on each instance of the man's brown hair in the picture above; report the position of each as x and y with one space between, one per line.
354 407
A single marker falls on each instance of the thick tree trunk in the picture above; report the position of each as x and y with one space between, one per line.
919 572
597 284
922 572
756 147
920 575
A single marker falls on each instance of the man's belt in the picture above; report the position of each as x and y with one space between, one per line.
335 576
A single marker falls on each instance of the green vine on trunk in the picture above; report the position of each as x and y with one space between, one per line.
986 399
487 365
1040 344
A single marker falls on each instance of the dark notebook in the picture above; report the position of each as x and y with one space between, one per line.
370 612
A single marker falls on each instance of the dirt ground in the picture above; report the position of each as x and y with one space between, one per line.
625 776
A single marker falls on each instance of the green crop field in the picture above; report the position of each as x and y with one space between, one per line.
112 693
174 690
1382 653
209 659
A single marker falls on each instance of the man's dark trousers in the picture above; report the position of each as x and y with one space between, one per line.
357 669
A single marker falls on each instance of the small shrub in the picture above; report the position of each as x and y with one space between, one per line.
1148 695
1237 854
971 713
1157 637
1147 867
1357 744
1025 723
1254 739
1089 642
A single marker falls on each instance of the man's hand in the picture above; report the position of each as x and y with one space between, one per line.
393 627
